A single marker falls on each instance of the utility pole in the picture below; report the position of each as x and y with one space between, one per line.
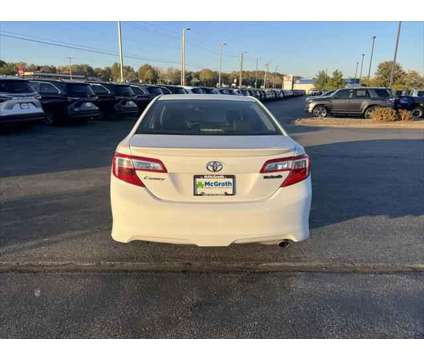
273 77
356 70
392 72
265 73
70 66
121 55
372 53
256 73
220 64
183 42
362 65
241 69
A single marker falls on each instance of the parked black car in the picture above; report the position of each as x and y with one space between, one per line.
125 99
412 103
174 89
18 102
357 101
66 100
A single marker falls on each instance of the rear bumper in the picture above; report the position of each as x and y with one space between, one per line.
21 118
138 215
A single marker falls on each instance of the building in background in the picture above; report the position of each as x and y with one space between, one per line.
306 85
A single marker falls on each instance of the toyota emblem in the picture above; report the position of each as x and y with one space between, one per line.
214 166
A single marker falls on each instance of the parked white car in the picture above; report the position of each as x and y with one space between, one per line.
210 170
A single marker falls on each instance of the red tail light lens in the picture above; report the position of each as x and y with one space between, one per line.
299 168
124 167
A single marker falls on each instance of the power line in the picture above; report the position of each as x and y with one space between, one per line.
80 48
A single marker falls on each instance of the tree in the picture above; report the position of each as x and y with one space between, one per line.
104 74
8 68
322 80
336 81
383 74
170 76
413 80
148 74
208 77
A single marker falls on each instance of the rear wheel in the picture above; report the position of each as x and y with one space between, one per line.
417 112
320 111
368 112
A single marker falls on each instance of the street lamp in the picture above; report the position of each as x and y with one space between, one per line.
392 72
241 68
356 70
372 53
183 41
360 72
220 63
121 55
256 73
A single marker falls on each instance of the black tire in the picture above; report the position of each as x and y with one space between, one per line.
320 111
417 112
49 120
368 112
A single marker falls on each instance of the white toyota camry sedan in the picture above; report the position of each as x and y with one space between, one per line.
210 170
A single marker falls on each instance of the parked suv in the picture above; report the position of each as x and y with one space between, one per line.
414 104
18 101
125 99
67 100
357 101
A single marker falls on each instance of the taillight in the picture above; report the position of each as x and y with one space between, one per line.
124 167
299 168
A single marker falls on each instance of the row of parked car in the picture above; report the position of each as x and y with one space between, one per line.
52 101
362 101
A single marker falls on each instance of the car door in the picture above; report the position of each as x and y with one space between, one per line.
359 98
341 101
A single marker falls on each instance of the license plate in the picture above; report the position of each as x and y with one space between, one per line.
214 185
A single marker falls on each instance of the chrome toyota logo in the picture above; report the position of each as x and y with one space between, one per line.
214 166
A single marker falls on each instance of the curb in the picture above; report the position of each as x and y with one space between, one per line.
112 266
359 124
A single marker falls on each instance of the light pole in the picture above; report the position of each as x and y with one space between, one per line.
241 69
273 77
220 63
256 73
362 65
392 72
70 67
372 53
356 70
183 41
265 73
121 55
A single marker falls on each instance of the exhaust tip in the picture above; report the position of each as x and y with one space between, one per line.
284 244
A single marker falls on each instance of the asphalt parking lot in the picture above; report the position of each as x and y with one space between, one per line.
359 275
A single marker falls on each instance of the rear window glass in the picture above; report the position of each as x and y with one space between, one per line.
420 93
99 89
383 93
178 90
137 90
207 117
15 87
79 90
197 91
123 91
154 90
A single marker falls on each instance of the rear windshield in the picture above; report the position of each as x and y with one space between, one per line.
123 91
420 93
155 90
15 87
177 90
100 90
137 90
207 117
79 90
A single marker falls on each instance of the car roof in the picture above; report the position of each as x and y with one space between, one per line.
10 77
206 97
